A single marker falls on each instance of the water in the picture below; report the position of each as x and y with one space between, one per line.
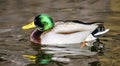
15 43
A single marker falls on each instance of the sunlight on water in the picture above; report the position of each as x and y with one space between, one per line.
14 42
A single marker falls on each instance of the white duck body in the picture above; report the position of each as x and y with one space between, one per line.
67 33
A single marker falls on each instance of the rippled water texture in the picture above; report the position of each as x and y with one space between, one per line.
14 42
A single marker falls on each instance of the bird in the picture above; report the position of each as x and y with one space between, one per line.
60 33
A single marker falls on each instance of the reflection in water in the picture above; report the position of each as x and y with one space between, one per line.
95 63
17 12
47 54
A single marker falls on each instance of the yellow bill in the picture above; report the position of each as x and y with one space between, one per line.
29 56
28 26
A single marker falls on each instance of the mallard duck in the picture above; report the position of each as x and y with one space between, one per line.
60 33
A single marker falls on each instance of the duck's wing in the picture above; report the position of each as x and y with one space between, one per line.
71 27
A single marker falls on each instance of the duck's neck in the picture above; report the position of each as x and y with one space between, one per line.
35 36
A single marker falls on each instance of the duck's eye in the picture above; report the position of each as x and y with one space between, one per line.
38 23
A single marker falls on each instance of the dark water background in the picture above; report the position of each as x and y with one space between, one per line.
15 13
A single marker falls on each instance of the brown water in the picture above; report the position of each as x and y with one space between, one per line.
112 39
14 41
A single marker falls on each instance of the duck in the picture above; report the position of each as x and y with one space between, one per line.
60 33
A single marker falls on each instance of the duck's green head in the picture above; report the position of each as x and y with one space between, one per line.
42 22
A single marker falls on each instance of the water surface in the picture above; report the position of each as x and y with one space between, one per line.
14 42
